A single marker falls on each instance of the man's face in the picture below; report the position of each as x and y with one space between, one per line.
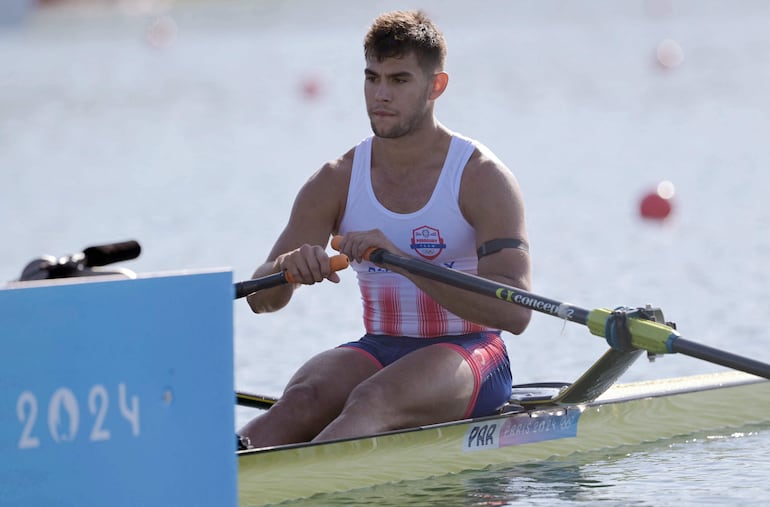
397 95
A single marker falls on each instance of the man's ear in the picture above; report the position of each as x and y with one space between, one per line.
440 81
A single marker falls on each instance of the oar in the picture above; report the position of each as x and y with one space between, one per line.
254 400
655 337
242 289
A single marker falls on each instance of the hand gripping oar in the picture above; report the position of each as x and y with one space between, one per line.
242 289
622 328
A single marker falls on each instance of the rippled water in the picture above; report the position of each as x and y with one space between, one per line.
189 127
654 474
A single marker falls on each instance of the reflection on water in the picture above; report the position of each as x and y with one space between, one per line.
543 483
633 475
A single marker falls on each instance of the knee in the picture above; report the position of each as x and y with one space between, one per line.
301 395
367 397
302 408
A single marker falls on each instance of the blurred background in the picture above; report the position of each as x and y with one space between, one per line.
190 125
638 131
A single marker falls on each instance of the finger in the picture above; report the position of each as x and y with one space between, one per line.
316 266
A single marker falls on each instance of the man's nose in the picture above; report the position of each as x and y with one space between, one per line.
382 93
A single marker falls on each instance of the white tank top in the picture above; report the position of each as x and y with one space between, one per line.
437 233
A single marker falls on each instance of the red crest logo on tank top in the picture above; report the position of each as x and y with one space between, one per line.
427 242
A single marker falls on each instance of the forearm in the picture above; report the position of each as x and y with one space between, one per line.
270 300
478 308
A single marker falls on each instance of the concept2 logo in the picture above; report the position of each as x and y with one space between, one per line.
560 309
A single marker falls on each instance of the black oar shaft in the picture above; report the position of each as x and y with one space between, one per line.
243 289
254 400
483 286
720 357
652 336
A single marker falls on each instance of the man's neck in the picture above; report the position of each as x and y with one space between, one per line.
408 152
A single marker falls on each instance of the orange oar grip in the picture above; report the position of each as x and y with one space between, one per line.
336 263
339 262
336 245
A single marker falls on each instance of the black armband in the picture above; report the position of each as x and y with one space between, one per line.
495 245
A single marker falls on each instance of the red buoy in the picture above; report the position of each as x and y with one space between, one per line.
311 87
657 205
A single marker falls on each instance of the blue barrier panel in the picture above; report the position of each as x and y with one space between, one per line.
118 392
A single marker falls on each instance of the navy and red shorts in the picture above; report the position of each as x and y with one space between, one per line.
485 352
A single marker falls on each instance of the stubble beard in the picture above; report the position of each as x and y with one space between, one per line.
393 132
402 128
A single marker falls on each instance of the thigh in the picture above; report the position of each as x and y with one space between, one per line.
433 384
313 397
487 355
329 377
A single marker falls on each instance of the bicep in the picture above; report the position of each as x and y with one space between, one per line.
493 204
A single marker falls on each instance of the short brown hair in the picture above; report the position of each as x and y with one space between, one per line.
395 34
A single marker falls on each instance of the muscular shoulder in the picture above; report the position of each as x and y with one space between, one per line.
334 174
324 194
488 181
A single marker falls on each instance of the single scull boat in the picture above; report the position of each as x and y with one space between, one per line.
591 414
625 414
